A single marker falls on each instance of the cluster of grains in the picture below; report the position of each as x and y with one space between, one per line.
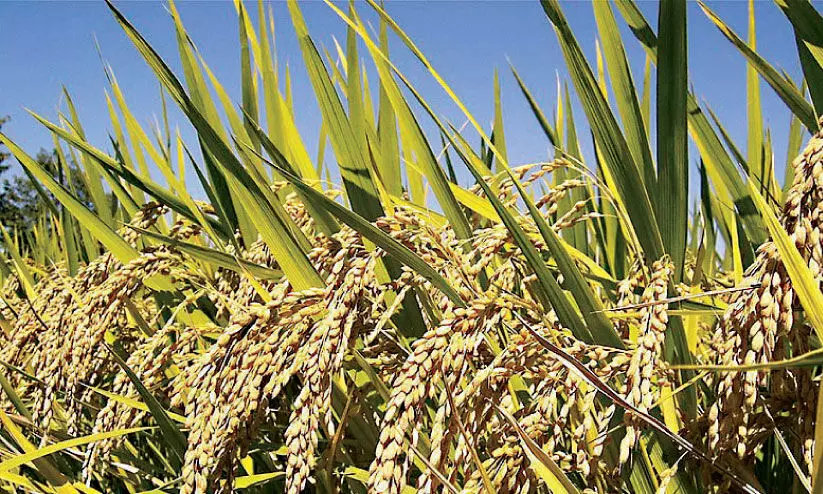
152 359
228 392
441 351
627 296
270 358
760 326
60 336
227 376
322 356
562 415
645 366
555 195
566 419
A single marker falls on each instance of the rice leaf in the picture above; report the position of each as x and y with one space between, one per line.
610 140
94 182
792 150
14 397
143 183
357 179
672 135
101 231
783 87
535 108
411 130
20 460
199 97
23 272
270 217
44 465
624 90
499 139
246 481
132 403
755 158
808 28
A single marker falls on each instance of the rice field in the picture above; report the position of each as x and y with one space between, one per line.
561 326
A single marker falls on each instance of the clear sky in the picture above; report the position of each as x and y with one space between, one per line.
44 45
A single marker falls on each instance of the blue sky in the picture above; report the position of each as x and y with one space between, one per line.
49 44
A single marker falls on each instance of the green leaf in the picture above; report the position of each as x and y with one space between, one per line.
21 268
535 108
782 86
808 29
43 465
101 231
610 140
724 175
498 134
20 460
207 109
410 130
246 481
624 91
755 158
141 182
357 179
637 23
812 72
14 397
792 150
601 329
248 80
324 221
270 219
132 403
94 182
389 163
672 136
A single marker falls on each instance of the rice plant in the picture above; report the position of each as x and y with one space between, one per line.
560 326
